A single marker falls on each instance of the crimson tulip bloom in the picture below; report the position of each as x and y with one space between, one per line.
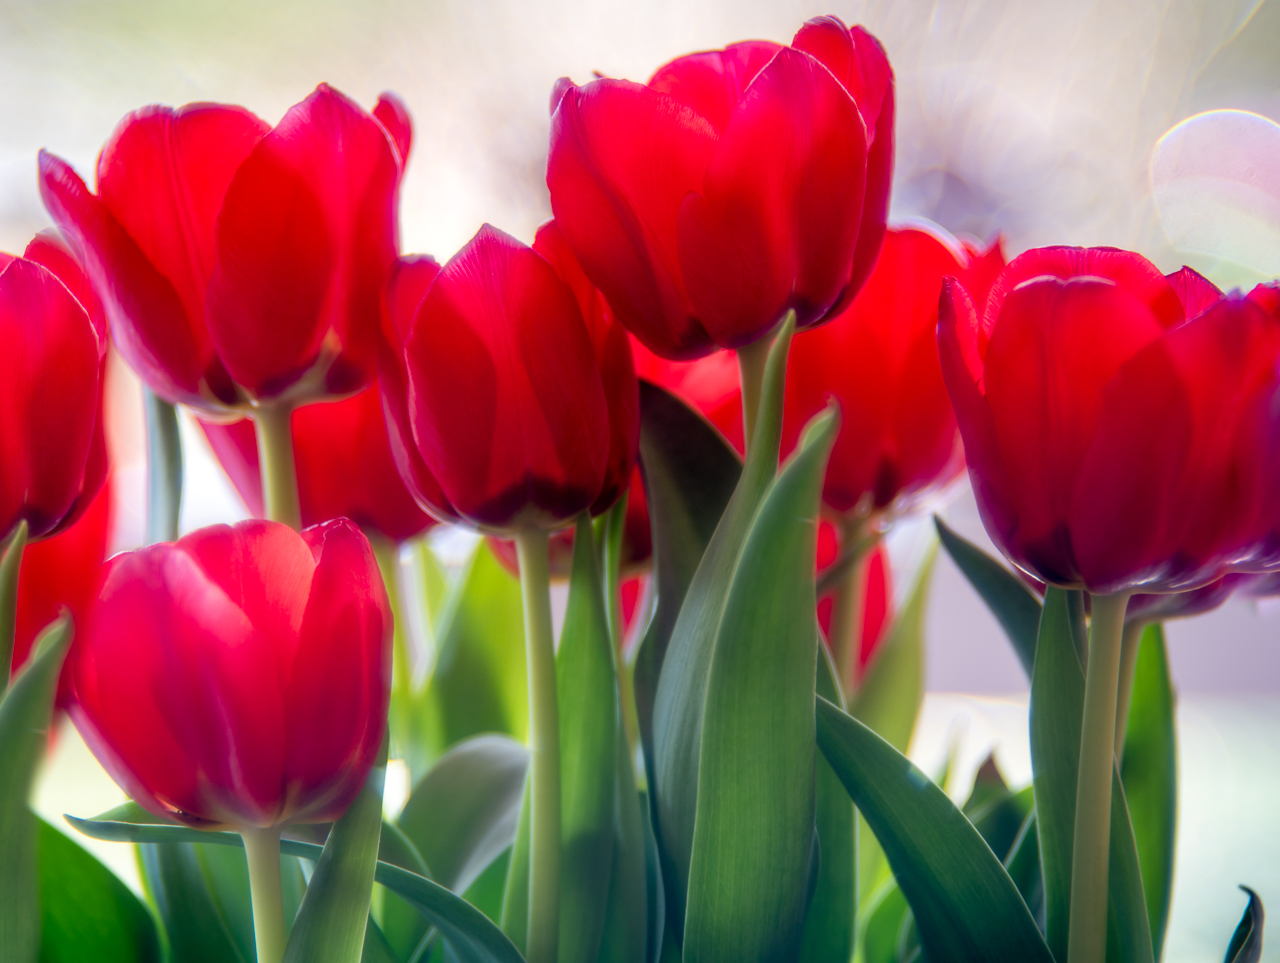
239 263
508 408
53 456
344 463
1113 444
735 185
240 676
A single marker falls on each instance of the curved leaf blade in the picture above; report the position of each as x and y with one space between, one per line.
965 905
1246 941
753 842
198 930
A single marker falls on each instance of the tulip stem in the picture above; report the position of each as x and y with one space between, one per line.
614 525
10 566
848 611
1087 931
544 737
275 454
1129 648
751 364
262 849
164 468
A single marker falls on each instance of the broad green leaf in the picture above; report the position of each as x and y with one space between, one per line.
1013 604
1000 820
628 928
86 912
376 949
478 684
25 710
880 935
753 842
485 894
402 926
473 937
690 472
515 896
686 667
330 924
657 937
177 884
1057 710
1149 771
888 702
965 905
1246 942
1023 864
830 918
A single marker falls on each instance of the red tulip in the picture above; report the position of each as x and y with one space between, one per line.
240 676
240 263
735 185
53 457
344 464
506 407
1114 445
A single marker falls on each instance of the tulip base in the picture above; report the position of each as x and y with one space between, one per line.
262 849
10 565
1087 930
544 737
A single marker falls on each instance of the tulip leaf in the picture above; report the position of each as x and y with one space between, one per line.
86 912
376 949
1057 713
680 696
830 918
478 684
690 472
25 710
330 924
472 936
887 913
177 884
657 937
1014 605
754 832
1149 771
965 905
629 931
1246 941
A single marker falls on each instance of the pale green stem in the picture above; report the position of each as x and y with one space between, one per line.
1130 645
10 566
544 737
848 611
615 521
751 364
1087 933
275 456
262 849
164 468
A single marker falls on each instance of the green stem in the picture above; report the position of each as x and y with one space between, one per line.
10 567
751 364
615 522
847 613
544 736
164 468
275 455
1130 645
1087 932
262 849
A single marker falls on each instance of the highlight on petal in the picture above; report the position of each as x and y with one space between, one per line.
395 118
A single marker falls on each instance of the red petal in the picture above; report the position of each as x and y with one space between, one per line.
306 242
235 445
394 116
49 250
505 397
410 278
49 399
777 220
148 321
712 83
622 159
1196 292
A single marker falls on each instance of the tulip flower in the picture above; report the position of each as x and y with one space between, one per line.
734 186
239 678
53 457
344 463
1118 446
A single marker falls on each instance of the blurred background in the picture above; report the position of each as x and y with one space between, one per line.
1145 125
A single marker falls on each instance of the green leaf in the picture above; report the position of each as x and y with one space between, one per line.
86 912
376 949
629 935
686 667
1013 604
965 905
690 472
330 924
478 684
474 938
753 843
25 710
1246 942
1023 864
887 913
1149 772
830 918
197 928
1057 711
657 936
